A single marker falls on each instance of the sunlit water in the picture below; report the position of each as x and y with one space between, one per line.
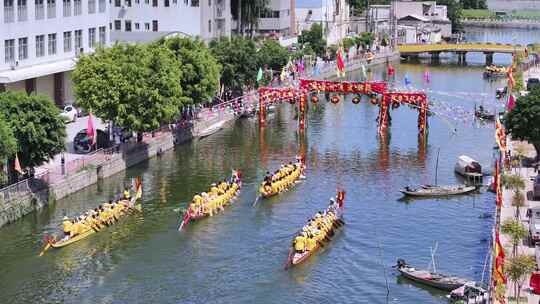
237 256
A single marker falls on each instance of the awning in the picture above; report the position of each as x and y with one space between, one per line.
39 70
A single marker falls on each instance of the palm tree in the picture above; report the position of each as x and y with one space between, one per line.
520 151
514 182
517 269
515 230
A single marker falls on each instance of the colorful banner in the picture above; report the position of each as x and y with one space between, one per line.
497 185
383 115
500 136
346 87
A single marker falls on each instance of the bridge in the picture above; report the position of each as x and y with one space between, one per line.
414 50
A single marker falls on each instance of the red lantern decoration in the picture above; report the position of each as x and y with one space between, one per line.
374 100
334 99
314 99
395 105
356 99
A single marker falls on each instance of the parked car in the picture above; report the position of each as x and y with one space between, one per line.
69 114
532 83
534 224
536 188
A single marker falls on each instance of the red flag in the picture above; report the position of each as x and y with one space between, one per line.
186 219
390 70
497 185
90 131
340 198
511 103
17 166
511 80
340 63
499 261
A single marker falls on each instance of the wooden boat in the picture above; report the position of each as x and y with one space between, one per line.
481 114
300 168
468 293
188 216
65 242
430 190
433 279
495 71
468 167
211 129
298 258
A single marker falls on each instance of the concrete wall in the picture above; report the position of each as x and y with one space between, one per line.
45 86
16 86
24 204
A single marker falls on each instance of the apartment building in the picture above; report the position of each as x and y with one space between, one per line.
333 15
147 20
41 39
278 18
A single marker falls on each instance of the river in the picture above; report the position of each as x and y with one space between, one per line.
237 256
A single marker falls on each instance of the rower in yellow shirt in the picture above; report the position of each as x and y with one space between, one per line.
127 194
67 225
311 243
300 243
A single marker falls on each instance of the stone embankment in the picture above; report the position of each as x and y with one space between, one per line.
32 194
511 24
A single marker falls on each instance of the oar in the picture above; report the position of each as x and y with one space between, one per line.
256 201
47 246
289 258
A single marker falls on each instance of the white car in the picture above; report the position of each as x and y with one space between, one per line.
69 114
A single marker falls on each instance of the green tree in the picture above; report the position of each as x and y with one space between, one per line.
515 230
8 143
517 269
39 131
365 39
314 39
237 56
474 4
518 201
522 122
200 70
273 55
135 86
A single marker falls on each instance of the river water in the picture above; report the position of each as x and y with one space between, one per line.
237 256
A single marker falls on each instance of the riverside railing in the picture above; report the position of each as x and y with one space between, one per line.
23 187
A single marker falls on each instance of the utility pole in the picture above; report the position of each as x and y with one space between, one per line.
393 24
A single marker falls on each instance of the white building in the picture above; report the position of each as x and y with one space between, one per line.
278 18
40 39
146 20
332 14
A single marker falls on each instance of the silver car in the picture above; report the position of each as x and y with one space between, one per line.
534 224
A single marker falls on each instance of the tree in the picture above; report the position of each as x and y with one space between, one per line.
250 11
314 39
515 230
236 56
522 121
474 4
135 86
8 147
365 39
35 123
518 201
200 70
454 12
517 269
273 55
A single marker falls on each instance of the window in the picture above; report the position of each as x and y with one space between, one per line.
166 3
91 6
209 26
51 9
117 25
154 3
40 45
9 12
195 3
92 37
128 26
67 8
77 4
102 6
102 35
209 2
23 48
40 10
147 26
137 26
9 48
154 25
22 10
51 45
67 42
174 1
147 1
117 3
137 1
78 41
128 3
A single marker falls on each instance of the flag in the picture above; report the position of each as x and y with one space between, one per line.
340 63
497 185
427 78
511 103
17 165
340 198
138 188
259 75
511 80
500 136
283 75
526 51
364 72
499 256
90 130
390 70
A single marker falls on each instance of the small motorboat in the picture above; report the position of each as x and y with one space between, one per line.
493 71
434 190
468 293
468 167
429 278
211 129
501 92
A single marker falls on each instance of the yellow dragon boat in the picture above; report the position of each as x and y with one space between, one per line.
282 184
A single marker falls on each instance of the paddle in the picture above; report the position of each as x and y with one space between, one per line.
47 246
289 259
256 200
